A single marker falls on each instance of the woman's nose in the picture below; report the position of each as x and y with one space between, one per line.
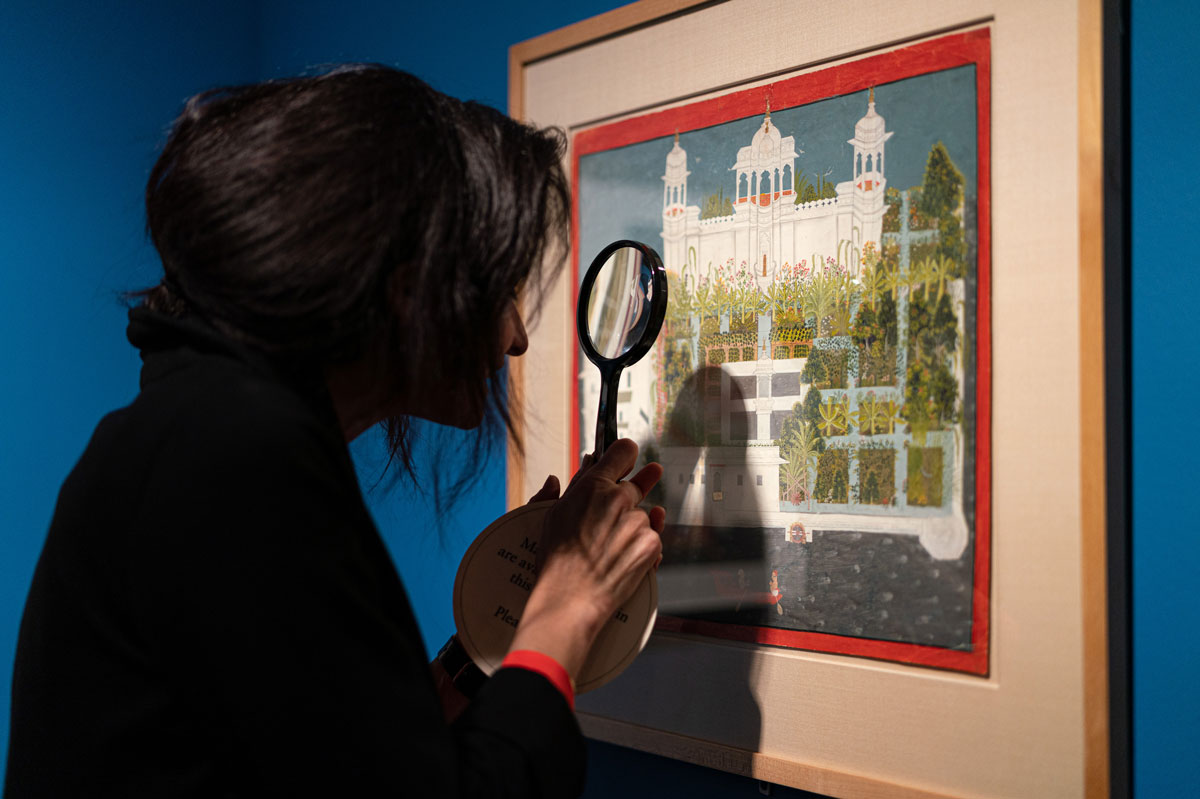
520 341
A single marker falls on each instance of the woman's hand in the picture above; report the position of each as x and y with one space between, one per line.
596 548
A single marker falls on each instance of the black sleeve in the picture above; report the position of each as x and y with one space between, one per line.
267 590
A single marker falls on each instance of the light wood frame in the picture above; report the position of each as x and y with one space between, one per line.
1041 724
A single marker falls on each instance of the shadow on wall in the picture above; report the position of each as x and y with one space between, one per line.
715 574
713 570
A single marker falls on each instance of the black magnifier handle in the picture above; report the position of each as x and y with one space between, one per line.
606 418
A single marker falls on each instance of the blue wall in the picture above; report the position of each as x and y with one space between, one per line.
83 104
1166 282
86 91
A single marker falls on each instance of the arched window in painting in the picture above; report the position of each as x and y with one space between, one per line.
869 163
788 179
743 188
857 164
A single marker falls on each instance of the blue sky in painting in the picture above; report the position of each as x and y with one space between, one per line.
620 190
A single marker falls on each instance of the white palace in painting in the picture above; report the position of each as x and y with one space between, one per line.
767 227
737 482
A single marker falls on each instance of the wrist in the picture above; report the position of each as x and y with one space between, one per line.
548 667
563 632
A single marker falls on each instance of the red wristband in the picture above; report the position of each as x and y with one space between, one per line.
548 667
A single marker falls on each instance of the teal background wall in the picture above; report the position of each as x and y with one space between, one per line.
86 90
86 94
1166 284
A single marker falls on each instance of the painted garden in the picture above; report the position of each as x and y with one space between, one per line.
880 338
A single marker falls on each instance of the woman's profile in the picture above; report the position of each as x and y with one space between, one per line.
213 612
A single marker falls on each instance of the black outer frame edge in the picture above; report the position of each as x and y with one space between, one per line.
1118 389
658 309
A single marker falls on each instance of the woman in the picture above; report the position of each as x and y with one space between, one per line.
213 612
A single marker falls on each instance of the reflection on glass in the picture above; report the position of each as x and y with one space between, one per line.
619 304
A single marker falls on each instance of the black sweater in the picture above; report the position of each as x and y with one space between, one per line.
214 614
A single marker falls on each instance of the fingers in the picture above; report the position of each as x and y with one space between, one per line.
549 490
645 479
658 519
658 523
641 546
617 461
584 465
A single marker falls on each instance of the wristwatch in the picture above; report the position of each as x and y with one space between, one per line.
466 676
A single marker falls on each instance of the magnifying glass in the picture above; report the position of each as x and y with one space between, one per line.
622 302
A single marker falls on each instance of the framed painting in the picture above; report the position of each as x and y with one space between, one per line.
885 561
819 397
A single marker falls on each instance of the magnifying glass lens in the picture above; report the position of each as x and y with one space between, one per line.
621 308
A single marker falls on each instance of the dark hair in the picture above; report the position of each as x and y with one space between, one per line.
289 214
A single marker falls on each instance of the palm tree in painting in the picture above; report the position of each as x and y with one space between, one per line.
704 299
869 415
823 297
919 276
893 281
942 270
889 414
777 296
874 282
801 447
833 417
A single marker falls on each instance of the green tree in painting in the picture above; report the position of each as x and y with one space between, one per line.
925 473
869 418
777 296
802 186
801 446
942 189
871 275
792 482
941 197
716 205
679 302
722 294
807 191
874 335
930 391
833 476
746 302
834 416
704 300
823 297
876 475
810 413
677 366
941 270
891 217
893 281
798 436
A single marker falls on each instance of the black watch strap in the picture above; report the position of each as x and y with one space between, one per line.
466 676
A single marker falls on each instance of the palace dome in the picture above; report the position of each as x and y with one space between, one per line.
870 127
765 143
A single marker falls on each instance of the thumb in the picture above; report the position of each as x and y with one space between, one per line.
549 490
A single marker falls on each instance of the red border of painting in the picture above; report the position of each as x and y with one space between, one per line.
971 47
